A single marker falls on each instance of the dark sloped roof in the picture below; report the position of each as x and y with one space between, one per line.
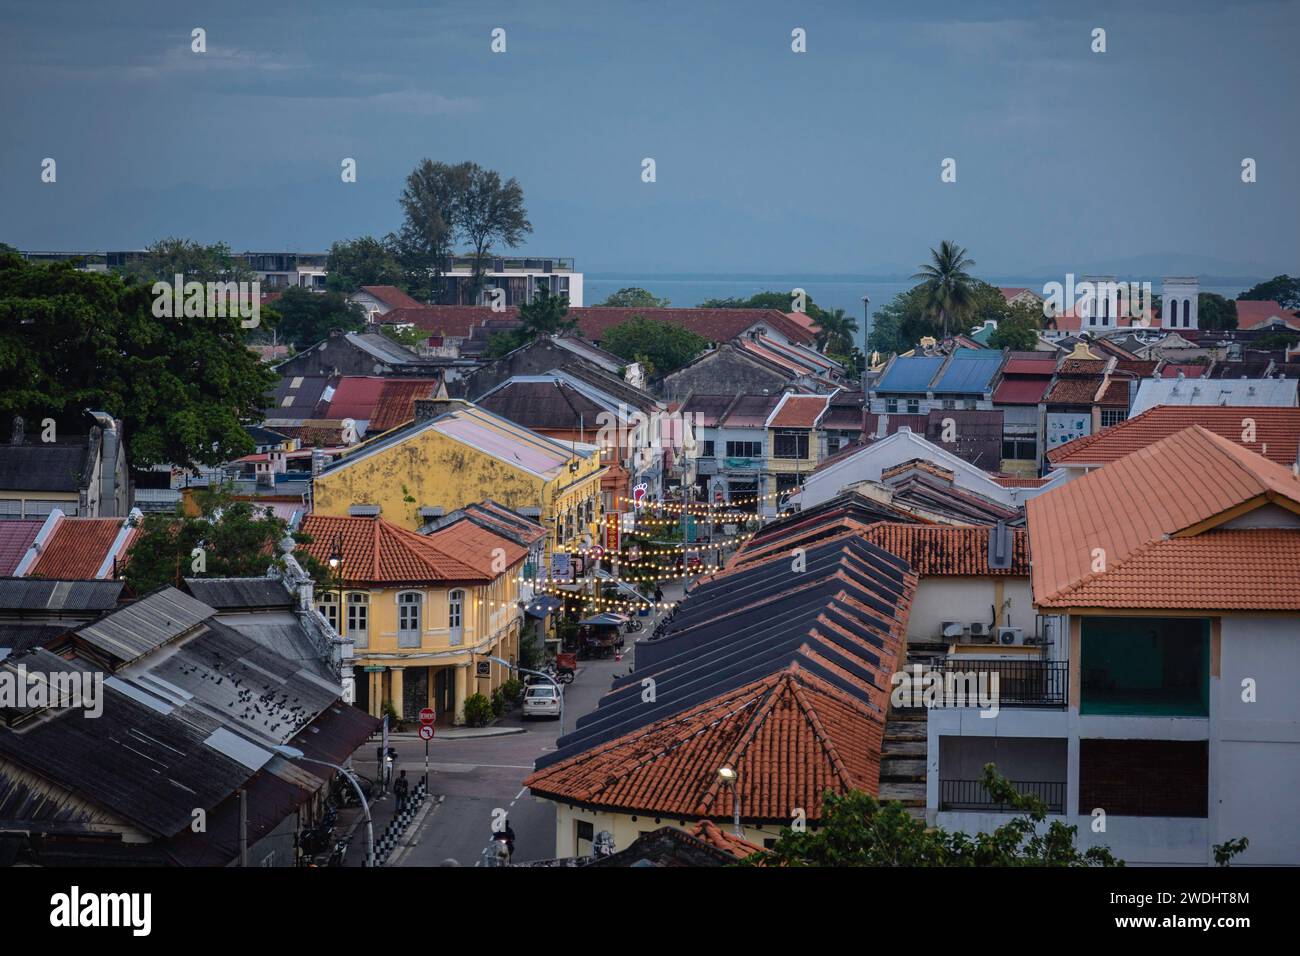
42 594
43 467
550 404
240 593
135 630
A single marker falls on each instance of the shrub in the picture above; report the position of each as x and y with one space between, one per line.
498 702
512 688
478 710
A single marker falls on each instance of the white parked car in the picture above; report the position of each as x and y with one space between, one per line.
541 700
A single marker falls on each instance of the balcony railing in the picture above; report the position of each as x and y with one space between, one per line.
1020 683
972 795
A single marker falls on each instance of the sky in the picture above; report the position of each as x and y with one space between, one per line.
766 160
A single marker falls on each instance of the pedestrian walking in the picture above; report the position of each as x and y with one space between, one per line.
401 788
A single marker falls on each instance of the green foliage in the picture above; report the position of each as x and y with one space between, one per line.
858 830
412 338
70 340
781 301
1280 339
238 538
363 261
1215 312
389 711
634 297
1224 852
306 317
530 651
664 346
949 290
488 211
1018 329
899 325
511 690
498 702
164 259
478 710
837 334
1283 290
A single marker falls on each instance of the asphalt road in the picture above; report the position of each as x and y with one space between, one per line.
480 776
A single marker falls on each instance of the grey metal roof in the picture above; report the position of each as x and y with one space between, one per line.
230 593
43 467
385 349
41 594
135 630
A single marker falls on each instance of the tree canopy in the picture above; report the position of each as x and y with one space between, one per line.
165 258
546 315
948 286
238 538
70 340
661 347
1018 329
635 297
858 830
1283 290
1213 311
363 261
306 317
781 301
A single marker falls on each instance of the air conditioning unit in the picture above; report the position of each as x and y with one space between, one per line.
951 629
979 629
1008 636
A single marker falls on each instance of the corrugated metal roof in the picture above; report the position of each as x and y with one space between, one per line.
43 594
139 628
226 593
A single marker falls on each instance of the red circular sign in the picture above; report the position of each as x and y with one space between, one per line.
426 732
427 716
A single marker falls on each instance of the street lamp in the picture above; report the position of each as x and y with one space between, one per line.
727 777
293 753
524 670
336 565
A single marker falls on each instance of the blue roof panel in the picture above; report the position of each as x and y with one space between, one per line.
969 373
910 374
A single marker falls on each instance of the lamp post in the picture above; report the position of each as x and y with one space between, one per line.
727 777
293 753
524 670
336 565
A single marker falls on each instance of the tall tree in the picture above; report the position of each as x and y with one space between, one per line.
948 286
306 317
1018 329
488 211
1283 290
429 202
166 258
900 324
836 333
363 261
1213 311
661 346
635 297
70 340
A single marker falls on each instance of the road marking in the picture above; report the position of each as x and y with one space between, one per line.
519 794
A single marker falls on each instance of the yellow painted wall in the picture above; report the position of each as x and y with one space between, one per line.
435 471
626 830
791 465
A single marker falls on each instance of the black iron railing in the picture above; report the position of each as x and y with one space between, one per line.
971 795
1019 683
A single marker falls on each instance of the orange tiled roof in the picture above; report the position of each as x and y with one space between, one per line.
1185 483
378 552
77 547
476 547
727 842
789 736
1019 481
799 411
396 403
1247 569
943 550
1276 431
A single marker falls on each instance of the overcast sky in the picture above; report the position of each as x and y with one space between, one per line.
767 160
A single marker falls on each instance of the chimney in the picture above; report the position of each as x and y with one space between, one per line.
999 546
110 450
19 432
427 409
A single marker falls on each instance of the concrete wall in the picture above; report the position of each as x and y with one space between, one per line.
967 599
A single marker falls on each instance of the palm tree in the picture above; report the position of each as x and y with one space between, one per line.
948 287
835 332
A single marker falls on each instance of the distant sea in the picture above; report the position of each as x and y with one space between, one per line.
827 291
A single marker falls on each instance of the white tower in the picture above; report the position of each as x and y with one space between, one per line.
1179 295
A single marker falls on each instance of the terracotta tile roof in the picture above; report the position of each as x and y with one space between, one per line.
799 411
1254 312
15 538
453 321
1143 368
724 840
391 296
1031 366
716 325
1017 481
77 547
1186 482
789 736
1022 391
1276 432
477 547
942 550
1074 391
1249 569
1115 393
377 552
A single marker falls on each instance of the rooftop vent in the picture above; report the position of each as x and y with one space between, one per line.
363 511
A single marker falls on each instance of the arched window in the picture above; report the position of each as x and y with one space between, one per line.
456 615
1187 313
409 604
359 617
327 603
